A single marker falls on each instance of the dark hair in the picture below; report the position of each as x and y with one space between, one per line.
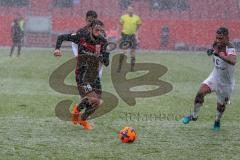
223 31
91 13
95 23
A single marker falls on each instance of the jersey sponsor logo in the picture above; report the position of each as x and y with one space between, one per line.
217 63
91 47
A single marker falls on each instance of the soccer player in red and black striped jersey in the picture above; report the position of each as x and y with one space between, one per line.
91 15
91 54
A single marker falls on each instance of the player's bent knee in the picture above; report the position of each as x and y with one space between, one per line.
221 107
199 98
95 101
204 89
84 103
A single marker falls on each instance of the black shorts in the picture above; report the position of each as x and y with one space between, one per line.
17 42
129 38
87 75
95 85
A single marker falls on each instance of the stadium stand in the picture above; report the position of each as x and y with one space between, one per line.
190 22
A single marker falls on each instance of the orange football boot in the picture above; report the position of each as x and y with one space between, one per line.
85 124
75 114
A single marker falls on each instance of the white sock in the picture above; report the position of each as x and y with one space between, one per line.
197 108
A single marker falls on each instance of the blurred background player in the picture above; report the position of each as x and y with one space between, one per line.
90 16
221 79
17 36
130 24
91 54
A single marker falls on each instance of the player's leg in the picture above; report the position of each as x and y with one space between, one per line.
198 102
93 101
19 45
133 59
199 99
133 52
123 43
223 97
121 58
12 48
207 86
219 113
78 108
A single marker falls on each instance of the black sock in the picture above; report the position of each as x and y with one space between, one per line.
133 60
12 49
88 111
120 62
19 50
83 104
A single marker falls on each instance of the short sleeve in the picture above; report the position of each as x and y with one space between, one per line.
231 51
138 20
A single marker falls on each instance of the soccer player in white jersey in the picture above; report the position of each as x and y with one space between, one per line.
221 79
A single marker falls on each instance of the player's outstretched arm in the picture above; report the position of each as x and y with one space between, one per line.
75 37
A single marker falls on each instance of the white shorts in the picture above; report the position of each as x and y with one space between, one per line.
75 49
100 70
223 92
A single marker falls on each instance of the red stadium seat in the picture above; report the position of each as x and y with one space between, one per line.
194 26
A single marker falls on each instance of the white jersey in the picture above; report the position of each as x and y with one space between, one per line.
223 72
221 79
